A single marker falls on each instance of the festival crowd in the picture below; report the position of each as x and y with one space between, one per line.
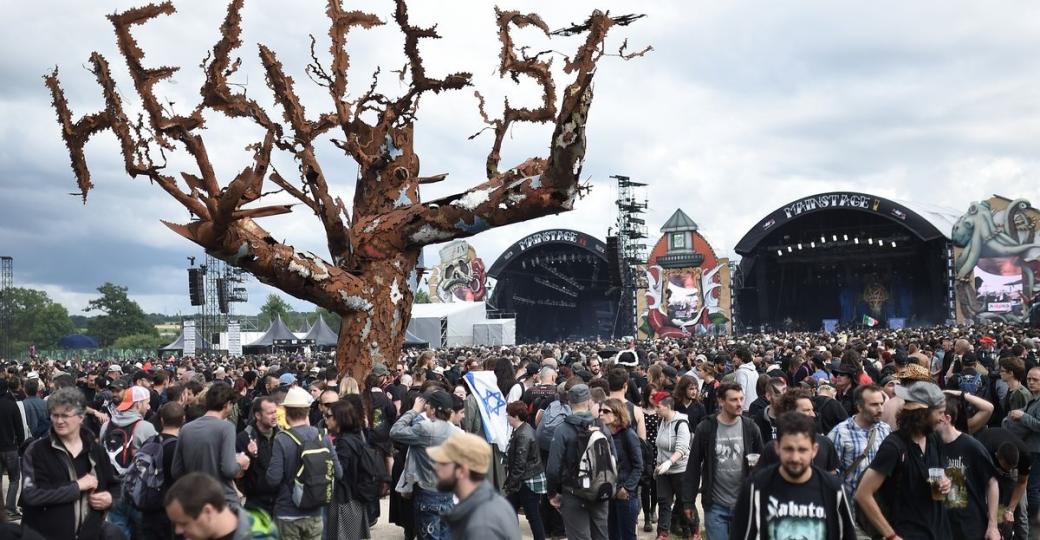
926 433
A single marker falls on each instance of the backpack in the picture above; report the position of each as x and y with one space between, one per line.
369 474
313 482
538 401
553 418
143 483
119 445
595 476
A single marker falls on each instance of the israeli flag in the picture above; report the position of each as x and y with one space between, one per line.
492 403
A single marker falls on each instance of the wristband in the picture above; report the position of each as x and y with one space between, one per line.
891 536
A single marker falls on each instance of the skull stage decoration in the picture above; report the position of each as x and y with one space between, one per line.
460 277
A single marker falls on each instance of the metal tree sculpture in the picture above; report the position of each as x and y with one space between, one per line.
375 246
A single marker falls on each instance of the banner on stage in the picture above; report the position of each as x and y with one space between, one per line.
492 405
189 338
896 323
234 332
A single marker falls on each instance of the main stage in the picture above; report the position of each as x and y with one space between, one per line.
845 258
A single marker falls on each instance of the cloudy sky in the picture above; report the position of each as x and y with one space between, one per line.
742 107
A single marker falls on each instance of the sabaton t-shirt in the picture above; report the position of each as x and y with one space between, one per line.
795 511
729 463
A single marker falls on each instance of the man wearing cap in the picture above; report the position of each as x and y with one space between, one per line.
425 425
128 420
115 371
582 519
900 471
461 465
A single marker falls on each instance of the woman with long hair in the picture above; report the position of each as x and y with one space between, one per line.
648 495
347 516
687 400
655 376
506 376
624 507
349 385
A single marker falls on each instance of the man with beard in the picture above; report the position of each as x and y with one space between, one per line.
857 439
717 453
793 499
900 471
972 503
461 464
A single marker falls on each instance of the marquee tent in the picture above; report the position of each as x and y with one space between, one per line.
178 344
322 335
277 330
446 325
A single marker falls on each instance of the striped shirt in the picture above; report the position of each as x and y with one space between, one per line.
849 442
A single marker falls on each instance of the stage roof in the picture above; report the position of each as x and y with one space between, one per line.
927 221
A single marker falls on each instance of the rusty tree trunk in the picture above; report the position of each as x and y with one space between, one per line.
374 247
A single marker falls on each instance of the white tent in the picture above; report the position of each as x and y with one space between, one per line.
446 325
495 332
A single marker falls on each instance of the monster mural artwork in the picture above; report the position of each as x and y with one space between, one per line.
460 276
681 303
996 260
687 290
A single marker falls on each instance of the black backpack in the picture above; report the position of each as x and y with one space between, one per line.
313 481
369 474
119 445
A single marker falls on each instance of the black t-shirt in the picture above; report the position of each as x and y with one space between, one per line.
384 414
826 457
397 393
906 493
795 510
82 463
969 468
992 439
167 459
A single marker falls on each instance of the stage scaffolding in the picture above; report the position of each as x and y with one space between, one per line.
6 284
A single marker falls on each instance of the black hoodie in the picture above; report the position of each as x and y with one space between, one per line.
751 514
12 433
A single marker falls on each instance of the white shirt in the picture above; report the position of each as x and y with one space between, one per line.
747 377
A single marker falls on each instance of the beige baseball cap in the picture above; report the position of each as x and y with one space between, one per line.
464 449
